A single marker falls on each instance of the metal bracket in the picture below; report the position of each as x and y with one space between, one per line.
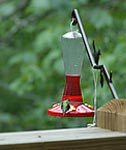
76 20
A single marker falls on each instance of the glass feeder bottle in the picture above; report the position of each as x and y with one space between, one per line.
73 55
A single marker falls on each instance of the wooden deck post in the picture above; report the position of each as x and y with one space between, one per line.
112 115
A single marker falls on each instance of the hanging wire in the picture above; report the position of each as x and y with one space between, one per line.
95 78
72 29
71 26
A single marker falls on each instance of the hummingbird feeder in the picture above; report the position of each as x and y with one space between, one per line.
73 54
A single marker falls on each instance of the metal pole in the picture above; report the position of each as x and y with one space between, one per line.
76 20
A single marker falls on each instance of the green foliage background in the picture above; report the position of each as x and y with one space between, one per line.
31 65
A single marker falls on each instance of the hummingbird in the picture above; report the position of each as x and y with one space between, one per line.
65 106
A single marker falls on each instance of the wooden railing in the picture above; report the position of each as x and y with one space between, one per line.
110 116
64 139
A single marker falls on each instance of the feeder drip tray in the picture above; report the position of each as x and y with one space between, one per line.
81 110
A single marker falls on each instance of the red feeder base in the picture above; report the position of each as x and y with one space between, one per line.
81 110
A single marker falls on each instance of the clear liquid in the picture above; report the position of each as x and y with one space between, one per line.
73 53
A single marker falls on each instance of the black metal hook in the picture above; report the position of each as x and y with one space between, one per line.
96 53
74 20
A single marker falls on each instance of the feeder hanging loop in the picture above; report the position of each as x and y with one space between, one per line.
77 21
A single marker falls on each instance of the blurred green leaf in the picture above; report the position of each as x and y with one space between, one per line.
25 57
38 6
43 41
100 18
6 8
5 118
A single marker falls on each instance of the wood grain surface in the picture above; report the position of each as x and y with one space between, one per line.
64 139
112 115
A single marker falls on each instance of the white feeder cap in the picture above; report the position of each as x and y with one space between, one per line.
73 34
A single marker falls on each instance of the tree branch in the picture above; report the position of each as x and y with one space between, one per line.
20 24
